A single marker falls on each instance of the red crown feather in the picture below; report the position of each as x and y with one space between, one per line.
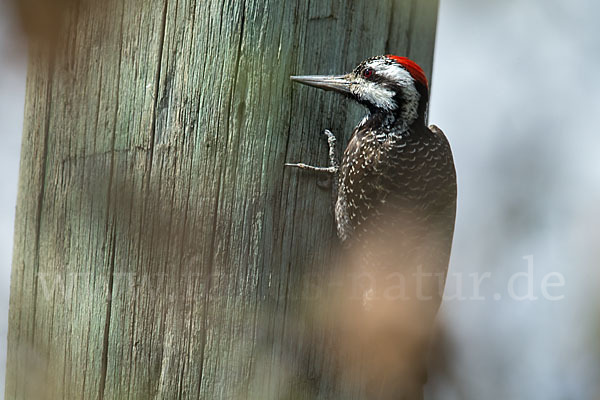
412 67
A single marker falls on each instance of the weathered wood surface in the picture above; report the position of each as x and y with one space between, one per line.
161 247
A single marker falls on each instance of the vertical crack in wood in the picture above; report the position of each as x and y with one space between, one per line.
161 45
105 341
111 267
40 198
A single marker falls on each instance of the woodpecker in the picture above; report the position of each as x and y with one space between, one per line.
395 168
395 205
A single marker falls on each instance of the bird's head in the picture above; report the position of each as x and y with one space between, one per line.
385 84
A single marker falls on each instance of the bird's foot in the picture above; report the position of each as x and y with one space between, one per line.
333 165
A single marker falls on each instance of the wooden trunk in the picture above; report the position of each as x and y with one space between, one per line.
161 248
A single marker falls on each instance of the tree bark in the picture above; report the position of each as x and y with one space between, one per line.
161 248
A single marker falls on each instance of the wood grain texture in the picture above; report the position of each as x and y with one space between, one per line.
161 249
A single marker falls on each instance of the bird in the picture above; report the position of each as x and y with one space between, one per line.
395 187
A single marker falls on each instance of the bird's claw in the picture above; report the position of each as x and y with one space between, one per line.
333 165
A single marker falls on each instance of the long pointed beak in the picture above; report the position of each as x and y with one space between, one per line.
336 83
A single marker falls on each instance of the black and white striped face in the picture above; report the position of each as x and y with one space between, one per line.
385 84
381 84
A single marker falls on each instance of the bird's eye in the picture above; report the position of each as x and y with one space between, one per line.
367 72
